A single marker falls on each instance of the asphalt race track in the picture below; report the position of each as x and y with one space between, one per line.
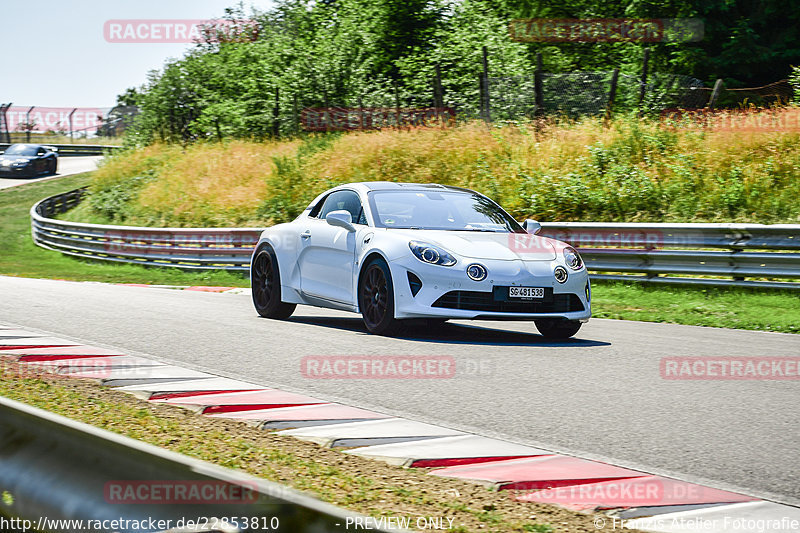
600 396
66 167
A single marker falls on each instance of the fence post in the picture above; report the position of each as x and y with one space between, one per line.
486 98
438 92
712 101
28 124
276 126
538 93
5 135
612 93
296 126
361 122
643 83
397 105
71 138
327 109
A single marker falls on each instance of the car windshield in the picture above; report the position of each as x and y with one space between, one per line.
441 210
21 149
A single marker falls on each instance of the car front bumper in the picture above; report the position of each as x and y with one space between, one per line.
447 292
15 171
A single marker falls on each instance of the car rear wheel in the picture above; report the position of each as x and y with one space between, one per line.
557 328
376 299
53 166
265 280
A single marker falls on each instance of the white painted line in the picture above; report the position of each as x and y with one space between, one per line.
37 341
18 333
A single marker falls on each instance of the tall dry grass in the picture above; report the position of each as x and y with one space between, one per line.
630 170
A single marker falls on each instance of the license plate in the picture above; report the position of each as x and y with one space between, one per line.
526 292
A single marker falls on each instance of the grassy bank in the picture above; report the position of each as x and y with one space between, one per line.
20 257
734 307
355 483
633 170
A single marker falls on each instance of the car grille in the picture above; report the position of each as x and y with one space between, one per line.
487 301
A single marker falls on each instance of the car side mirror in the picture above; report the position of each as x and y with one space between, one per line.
531 226
341 219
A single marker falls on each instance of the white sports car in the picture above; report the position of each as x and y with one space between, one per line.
395 251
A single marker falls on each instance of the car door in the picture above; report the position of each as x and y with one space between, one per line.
39 163
327 253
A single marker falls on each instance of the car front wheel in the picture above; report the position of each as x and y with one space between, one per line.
557 328
376 299
265 280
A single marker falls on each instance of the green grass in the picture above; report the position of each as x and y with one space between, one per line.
741 308
20 257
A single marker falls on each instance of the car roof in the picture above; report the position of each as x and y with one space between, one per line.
29 144
395 186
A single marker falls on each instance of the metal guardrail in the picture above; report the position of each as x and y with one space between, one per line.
55 469
188 248
75 149
710 254
762 251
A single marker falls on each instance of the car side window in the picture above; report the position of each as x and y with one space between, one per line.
317 208
347 201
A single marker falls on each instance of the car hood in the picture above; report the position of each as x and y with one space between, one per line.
16 157
485 245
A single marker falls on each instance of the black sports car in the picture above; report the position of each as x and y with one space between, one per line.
28 160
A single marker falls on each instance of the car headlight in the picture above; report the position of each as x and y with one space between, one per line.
433 255
572 258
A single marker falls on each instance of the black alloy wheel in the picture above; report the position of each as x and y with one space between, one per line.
376 299
266 286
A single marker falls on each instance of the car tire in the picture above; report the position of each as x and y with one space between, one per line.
557 328
265 280
376 299
53 166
